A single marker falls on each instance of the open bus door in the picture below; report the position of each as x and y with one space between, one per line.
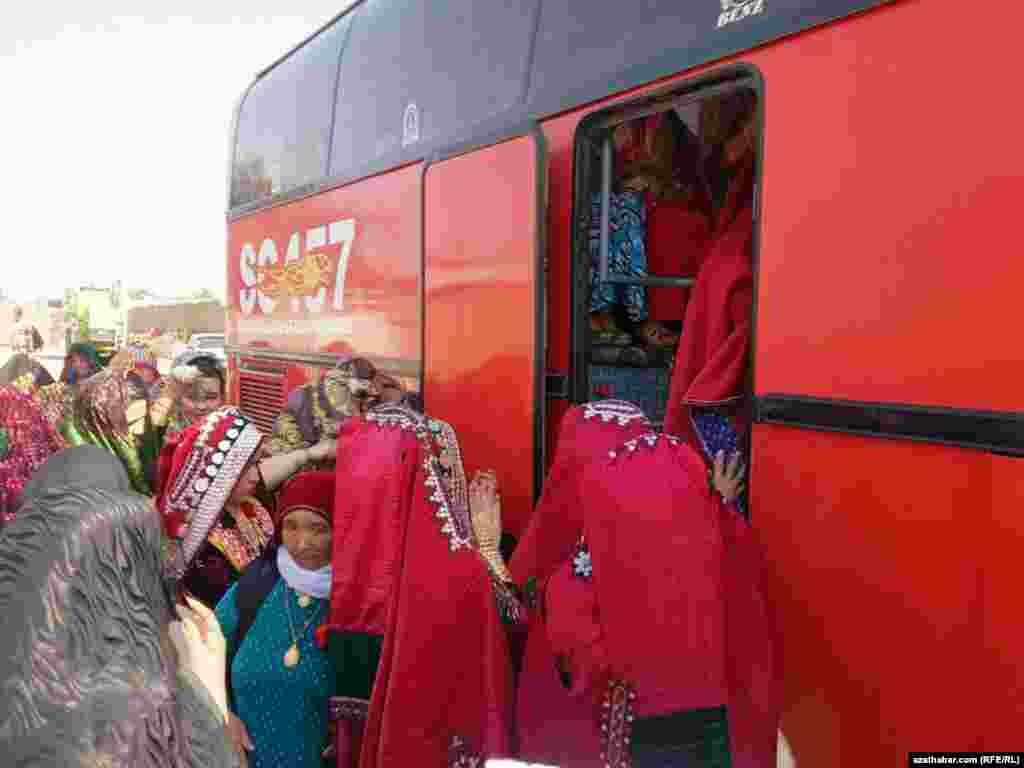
483 348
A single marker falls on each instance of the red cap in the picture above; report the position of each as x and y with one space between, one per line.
308 490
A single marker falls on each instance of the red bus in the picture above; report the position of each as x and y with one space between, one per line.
415 184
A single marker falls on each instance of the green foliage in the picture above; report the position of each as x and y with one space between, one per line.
83 324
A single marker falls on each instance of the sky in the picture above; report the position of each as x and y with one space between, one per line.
115 136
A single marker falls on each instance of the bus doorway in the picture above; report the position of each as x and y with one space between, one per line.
664 214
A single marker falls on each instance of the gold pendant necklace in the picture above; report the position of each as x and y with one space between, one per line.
292 656
304 601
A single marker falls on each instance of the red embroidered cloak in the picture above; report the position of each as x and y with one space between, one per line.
675 610
403 566
555 726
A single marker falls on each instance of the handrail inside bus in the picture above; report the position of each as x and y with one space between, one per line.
606 205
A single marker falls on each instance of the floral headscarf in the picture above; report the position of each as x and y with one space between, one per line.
26 441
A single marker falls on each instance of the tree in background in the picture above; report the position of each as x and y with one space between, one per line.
70 303
83 324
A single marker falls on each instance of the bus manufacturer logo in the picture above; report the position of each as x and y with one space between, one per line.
737 10
410 125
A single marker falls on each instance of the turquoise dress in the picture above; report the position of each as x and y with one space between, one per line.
284 710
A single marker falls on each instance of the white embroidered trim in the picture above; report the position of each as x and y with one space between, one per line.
619 411
650 439
207 507
451 504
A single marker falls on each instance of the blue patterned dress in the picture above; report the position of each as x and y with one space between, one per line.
627 254
284 710
717 433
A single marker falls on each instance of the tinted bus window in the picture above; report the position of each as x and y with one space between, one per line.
285 122
414 72
573 53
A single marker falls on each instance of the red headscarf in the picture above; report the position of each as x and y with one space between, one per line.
587 432
405 567
712 360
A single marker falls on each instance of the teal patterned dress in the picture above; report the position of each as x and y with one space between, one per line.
284 710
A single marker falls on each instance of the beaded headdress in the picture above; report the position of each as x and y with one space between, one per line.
198 472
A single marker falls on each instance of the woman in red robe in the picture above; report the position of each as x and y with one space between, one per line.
553 726
418 613
647 609
708 402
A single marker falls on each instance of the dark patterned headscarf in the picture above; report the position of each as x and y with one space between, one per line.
99 417
87 671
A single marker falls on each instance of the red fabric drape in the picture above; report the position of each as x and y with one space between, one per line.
712 360
654 534
677 242
444 678
371 498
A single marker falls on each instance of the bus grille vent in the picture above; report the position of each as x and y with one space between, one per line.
261 398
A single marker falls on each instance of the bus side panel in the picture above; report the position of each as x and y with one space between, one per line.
354 283
481 270
889 266
1000 556
871 545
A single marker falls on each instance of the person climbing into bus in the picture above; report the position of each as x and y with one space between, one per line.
610 303
555 727
420 600
678 225
678 667
317 411
658 223
208 475
708 399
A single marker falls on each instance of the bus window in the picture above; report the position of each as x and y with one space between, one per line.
284 123
572 54
666 190
413 75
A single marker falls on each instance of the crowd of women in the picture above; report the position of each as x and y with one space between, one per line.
179 589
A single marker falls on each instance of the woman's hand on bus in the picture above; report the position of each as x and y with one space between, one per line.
727 478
